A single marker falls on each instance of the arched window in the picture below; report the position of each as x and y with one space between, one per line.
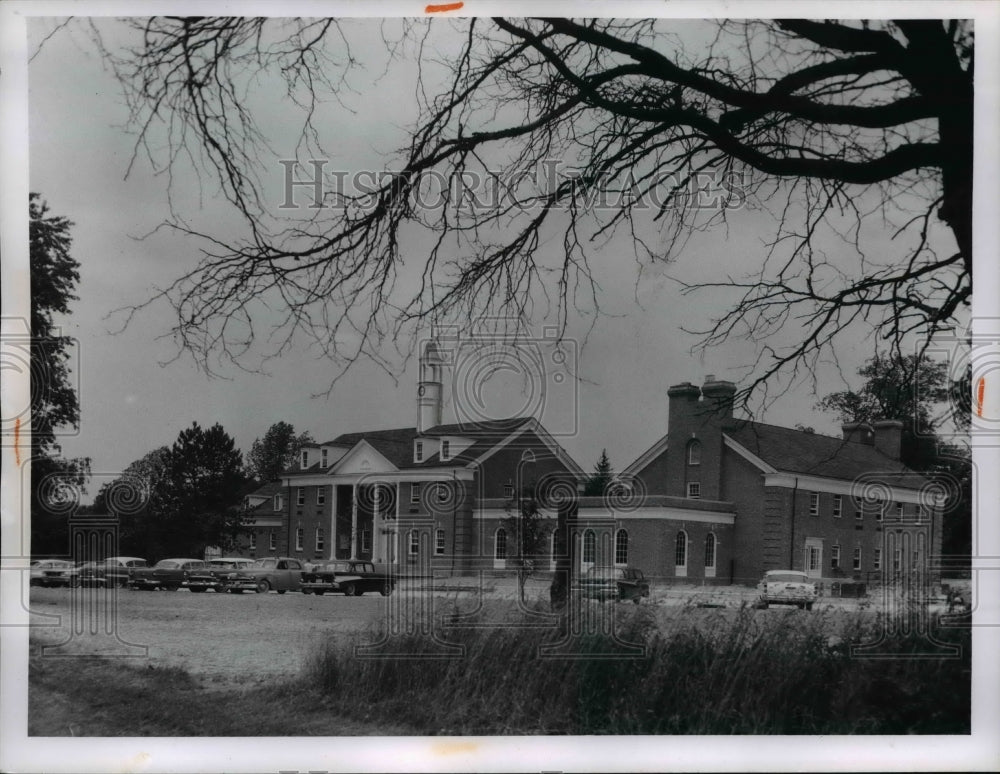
500 545
621 546
589 546
710 555
681 551
694 452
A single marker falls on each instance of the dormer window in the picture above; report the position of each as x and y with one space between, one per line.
445 451
305 459
277 502
323 458
418 451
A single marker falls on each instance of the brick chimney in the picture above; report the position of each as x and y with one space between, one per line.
889 437
858 432
719 396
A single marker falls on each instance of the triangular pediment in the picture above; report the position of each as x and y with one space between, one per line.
363 458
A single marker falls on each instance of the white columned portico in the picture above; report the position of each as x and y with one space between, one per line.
354 521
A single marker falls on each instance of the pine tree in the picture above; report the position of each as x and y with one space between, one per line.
602 476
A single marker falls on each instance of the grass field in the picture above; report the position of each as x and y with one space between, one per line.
695 671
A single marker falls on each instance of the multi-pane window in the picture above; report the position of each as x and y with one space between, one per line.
838 506
814 503
323 458
879 510
877 561
589 546
366 540
500 544
305 459
812 558
300 495
859 513
320 495
445 450
694 452
694 490
508 491
414 547
278 502
272 542
857 558
621 547
418 451
439 542
299 536
710 550
835 557
415 493
899 510
319 539
253 541
681 549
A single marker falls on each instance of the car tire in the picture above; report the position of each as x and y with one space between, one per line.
306 591
350 590
235 591
318 592
386 590
282 591
263 586
75 583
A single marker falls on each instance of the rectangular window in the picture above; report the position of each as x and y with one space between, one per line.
835 557
414 547
897 560
439 542
877 561
445 450
814 503
305 459
838 506
859 514
813 558
857 558
278 502
299 536
415 493
899 510
320 495
418 451
508 491
272 542
319 539
694 490
300 495
879 510
366 540
253 541
323 457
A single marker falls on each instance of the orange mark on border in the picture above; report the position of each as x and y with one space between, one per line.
454 748
980 396
443 7
17 441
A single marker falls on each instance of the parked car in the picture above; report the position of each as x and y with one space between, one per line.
280 573
49 572
617 583
787 587
348 577
213 574
169 574
113 571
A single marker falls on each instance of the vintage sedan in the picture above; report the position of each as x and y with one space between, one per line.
54 572
113 571
787 587
213 575
280 573
616 583
349 577
169 574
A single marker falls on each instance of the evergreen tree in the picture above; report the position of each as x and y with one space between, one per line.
602 476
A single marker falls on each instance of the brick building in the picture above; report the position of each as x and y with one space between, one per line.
429 498
719 499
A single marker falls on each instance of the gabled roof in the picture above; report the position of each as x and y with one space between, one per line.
645 458
796 451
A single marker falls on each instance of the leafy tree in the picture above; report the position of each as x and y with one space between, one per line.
275 452
54 403
845 131
528 530
909 388
138 498
602 476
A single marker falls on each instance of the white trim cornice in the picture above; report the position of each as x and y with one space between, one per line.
897 493
748 455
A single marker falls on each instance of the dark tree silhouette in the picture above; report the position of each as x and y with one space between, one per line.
275 452
55 480
602 476
847 133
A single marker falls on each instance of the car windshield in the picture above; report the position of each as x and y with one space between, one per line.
166 564
786 577
264 563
